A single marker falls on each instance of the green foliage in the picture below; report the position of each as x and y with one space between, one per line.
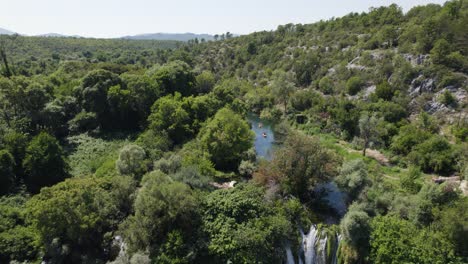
164 208
448 99
241 226
326 85
353 177
384 91
175 76
408 137
132 161
435 154
79 212
90 153
300 165
17 240
168 115
409 182
7 176
355 227
354 85
282 87
398 241
226 137
44 163
205 82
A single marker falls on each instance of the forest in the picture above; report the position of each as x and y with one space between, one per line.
338 142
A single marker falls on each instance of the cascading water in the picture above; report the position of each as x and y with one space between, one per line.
308 242
313 249
337 247
289 256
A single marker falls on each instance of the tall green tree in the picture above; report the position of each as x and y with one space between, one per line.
44 163
226 137
282 88
7 176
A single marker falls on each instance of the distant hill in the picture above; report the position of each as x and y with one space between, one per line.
57 35
171 36
6 32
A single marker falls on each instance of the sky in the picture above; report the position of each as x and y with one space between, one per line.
115 18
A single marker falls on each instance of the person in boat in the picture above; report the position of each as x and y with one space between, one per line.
264 134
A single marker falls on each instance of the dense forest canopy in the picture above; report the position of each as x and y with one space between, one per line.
140 151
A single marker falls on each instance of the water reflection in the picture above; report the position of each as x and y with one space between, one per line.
264 137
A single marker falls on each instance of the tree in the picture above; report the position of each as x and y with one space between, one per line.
168 114
440 51
355 228
242 227
408 137
226 137
93 95
299 166
175 76
44 163
282 88
7 176
368 130
434 155
394 240
76 214
18 240
384 91
164 208
353 177
205 82
132 161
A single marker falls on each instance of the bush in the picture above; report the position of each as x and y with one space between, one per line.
132 161
246 168
353 177
409 181
448 99
384 91
434 155
354 85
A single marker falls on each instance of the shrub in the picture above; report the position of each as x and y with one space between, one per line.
354 85
132 161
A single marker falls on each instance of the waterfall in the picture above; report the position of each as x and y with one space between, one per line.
321 255
308 242
289 255
335 251
313 249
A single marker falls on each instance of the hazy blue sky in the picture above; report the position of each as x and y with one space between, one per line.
112 18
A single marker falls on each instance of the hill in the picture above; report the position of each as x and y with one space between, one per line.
6 32
170 36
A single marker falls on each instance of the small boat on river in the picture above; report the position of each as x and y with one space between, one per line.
264 134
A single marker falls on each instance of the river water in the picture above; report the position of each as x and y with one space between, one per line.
314 243
264 137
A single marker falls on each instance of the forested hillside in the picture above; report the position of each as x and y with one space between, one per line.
140 151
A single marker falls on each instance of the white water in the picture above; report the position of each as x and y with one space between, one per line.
308 242
289 256
313 249
337 247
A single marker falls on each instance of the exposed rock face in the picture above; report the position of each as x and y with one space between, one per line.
421 85
416 60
